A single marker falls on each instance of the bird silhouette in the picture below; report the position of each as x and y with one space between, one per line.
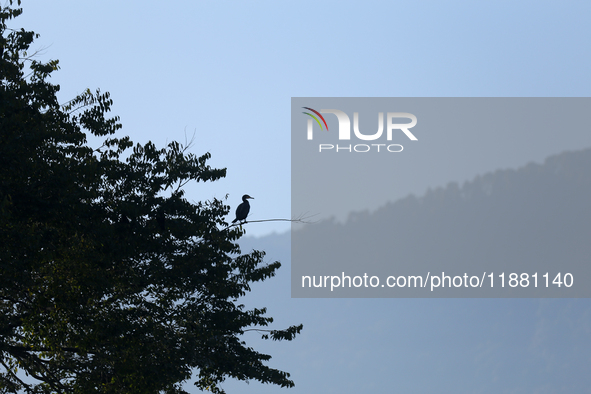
243 209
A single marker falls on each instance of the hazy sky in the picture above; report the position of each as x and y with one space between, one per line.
226 71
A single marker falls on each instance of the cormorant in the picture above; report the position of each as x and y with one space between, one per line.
243 209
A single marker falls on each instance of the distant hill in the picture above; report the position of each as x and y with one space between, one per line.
533 219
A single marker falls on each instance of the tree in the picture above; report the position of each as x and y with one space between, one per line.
111 281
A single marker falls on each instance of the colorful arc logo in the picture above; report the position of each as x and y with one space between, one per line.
315 118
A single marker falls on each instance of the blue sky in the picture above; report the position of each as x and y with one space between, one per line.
226 71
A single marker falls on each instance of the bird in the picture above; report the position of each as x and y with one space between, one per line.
243 209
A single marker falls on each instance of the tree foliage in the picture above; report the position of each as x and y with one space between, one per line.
111 281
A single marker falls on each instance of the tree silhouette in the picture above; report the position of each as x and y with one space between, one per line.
111 281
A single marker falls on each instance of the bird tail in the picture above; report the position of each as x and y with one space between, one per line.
235 220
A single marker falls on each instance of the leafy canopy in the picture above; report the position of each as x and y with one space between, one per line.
111 281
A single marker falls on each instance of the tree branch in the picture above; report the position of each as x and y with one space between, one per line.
301 219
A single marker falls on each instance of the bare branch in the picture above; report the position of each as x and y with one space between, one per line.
302 219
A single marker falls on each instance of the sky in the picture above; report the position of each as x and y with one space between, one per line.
224 72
